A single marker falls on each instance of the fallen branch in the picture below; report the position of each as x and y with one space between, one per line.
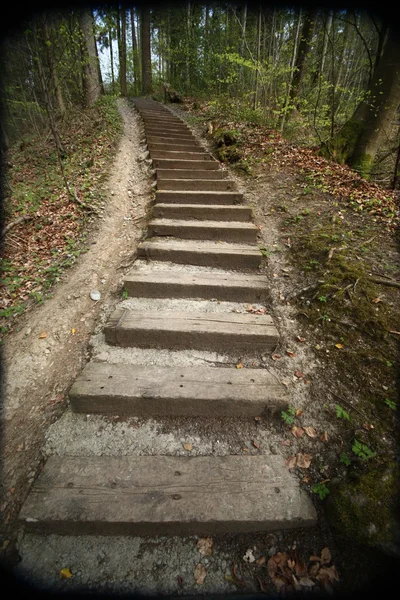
388 282
306 289
15 223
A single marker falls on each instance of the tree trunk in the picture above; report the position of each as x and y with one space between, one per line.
258 58
147 86
327 32
122 57
111 61
136 68
303 50
359 140
92 86
294 54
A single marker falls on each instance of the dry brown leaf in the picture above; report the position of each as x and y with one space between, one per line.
299 374
239 366
291 462
329 573
311 432
340 346
188 446
205 545
200 574
245 449
43 335
306 479
281 297
306 582
297 431
314 570
65 573
368 426
261 561
299 412
325 556
377 300
304 460
256 444
276 356
285 442
314 558
300 339
300 568
324 436
290 353
330 253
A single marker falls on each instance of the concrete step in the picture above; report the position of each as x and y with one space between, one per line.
188 174
201 331
204 230
203 212
170 163
207 254
189 147
184 155
197 185
199 197
130 390
166 495
235 287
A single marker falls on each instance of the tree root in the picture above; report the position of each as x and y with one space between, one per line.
15 223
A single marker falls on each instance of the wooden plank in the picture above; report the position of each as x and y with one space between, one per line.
151 391
228 231
161 495
199 197
202 212
219 332
233 287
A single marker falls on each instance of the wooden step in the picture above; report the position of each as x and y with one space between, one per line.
171 163
199 197
154 129
235 232
232 256
150 391
161 138
234 287
185 155
197 185
216 332
202 212
166 495
190 146
187 174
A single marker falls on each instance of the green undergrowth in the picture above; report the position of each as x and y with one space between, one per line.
36 252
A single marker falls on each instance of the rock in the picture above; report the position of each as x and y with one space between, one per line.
364 510
95 295
273 449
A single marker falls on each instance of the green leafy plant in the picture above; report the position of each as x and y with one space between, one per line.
125 294
362 451
391 403
321 490
322 298
288 415
341 413
345 459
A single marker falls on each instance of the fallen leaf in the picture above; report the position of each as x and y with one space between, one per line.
329 573
330 253
276 356
291 462
299 374
235 579
311 432
306 582
256 444
297 431
205 545
245 449
73 331
249 556
368 426
340 346
300 339
180 581
290 353
376 300
291 563
285 442
257 419
20 447
314 558
314 570
324 436
12 490
200 574
65 573
43 335
239 366
188 446
299 412
304 460
306 479
261 561
325 556
281 297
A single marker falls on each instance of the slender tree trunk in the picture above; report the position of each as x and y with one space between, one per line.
258 58
111 60
381 42
122 58
244 21
136 68
51 62
396 173
147 86
327 32
294 54
92 85
303 50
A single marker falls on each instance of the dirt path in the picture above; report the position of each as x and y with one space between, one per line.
39 369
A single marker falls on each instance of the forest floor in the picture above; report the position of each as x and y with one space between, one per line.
338 357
